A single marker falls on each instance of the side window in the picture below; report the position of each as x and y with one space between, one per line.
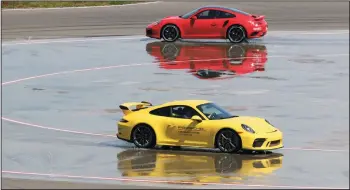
161 112
184 112
208 14
223 14
209 109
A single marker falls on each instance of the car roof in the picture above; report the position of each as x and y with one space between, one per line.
222 7
186 102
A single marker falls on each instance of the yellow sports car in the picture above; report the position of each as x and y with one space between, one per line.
195 123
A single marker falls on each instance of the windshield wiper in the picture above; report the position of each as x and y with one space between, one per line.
232 116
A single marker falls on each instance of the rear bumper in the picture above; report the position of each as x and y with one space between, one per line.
124 132
258 32
123 139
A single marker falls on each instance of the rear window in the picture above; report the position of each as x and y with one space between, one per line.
239 11
161 112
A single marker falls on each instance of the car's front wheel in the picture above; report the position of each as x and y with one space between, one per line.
170 33
143 136
228 141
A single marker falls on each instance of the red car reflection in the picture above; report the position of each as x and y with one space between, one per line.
210 60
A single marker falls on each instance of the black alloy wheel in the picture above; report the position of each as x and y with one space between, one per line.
228 141
236 34
143 136
170 33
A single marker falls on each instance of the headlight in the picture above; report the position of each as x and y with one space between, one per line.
268 122
156 22
247 128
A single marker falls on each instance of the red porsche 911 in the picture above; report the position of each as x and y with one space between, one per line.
209 22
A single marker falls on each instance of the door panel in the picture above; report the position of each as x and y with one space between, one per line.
189 132
202 28
164 133
221 27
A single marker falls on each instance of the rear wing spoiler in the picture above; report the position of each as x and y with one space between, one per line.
258 17
130 107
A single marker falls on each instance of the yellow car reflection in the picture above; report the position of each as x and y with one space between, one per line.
196 166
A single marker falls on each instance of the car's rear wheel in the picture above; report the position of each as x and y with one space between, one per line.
143 136
236 34
228 141
170 33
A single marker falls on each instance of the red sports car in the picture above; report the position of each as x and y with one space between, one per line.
209 22
209 60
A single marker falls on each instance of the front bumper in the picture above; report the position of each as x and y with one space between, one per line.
265 141
153 31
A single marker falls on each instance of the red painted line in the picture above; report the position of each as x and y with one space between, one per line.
163 181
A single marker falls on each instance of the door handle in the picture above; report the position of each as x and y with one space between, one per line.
213 24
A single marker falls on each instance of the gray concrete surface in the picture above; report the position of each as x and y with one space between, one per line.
303 91
130 20
303 94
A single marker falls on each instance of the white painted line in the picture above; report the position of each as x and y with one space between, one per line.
85 7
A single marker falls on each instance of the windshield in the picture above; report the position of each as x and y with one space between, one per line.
187 15
214 112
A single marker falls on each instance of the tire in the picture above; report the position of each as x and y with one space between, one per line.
143 136
170 33
236 34
228 141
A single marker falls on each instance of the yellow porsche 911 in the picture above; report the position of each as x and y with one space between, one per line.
195 123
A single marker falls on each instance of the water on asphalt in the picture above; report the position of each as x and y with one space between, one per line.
298 82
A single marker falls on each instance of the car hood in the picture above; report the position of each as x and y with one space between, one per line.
259 125
170 17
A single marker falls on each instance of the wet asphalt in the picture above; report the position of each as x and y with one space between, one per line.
302 89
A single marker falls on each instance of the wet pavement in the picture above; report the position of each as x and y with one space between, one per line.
298 82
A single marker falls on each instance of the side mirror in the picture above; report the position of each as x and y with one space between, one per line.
194 17
196 118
